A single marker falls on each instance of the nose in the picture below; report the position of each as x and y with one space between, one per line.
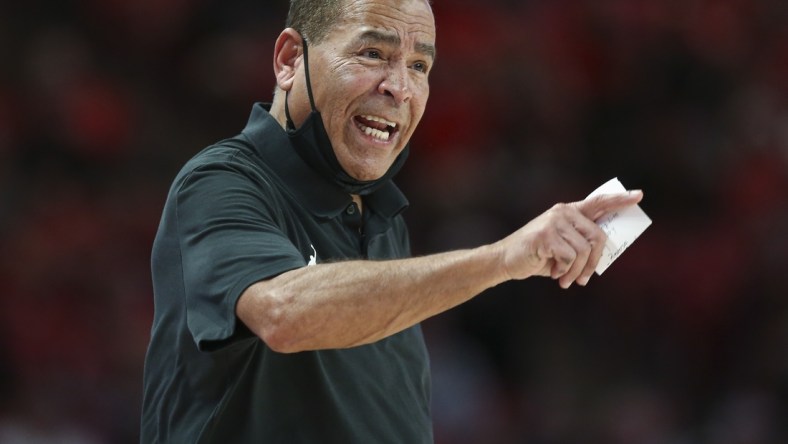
396 84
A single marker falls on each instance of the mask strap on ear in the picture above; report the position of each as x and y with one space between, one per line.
290 123
308 81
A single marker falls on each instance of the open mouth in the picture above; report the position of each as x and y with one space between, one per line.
376 127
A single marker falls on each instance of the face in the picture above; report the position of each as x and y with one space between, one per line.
369 80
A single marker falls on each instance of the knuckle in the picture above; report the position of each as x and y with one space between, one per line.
559 208
567 258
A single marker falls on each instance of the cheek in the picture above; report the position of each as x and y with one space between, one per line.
422 100
350 77
419 104
342 91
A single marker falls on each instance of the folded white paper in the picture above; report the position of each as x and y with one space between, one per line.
622 227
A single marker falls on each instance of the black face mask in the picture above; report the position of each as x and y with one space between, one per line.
311 142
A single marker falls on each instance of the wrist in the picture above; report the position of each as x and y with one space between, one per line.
495 255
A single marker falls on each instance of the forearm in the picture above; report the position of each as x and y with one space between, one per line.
357 302
344 304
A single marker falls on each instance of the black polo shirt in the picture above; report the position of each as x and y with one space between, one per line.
245 210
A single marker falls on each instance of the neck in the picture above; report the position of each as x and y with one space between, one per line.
278 108
358 201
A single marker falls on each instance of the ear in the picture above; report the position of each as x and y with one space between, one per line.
287 55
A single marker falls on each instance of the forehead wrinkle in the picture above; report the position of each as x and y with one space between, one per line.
375 36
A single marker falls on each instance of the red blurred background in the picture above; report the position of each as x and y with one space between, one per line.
683 340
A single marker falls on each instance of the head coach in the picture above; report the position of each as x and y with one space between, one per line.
287 304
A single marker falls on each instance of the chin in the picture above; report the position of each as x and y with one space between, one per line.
369 172
366 177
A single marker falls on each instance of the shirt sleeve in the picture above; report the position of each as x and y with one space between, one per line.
231 236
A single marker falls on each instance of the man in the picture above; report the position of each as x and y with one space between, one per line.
286 306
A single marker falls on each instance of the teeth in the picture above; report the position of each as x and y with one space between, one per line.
381 120
378 134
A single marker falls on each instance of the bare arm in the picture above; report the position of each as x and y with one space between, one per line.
344 304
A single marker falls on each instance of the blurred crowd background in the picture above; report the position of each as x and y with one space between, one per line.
683 340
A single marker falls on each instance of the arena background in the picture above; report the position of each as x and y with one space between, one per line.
683 340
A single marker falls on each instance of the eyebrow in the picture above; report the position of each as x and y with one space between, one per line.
373 36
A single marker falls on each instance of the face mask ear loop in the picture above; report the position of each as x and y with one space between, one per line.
308 81
290 124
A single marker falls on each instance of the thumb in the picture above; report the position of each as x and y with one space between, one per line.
597 206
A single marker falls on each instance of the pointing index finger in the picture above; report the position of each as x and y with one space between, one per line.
594 207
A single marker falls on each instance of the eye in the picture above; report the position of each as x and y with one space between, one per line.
371 53
420 66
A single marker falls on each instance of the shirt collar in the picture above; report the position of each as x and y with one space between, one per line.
323 198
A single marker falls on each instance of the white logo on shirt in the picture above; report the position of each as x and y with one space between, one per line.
312 258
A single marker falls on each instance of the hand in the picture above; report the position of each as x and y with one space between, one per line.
564 242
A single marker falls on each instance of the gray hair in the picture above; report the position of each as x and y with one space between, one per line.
314 18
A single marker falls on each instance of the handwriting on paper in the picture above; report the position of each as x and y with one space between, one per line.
622 227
